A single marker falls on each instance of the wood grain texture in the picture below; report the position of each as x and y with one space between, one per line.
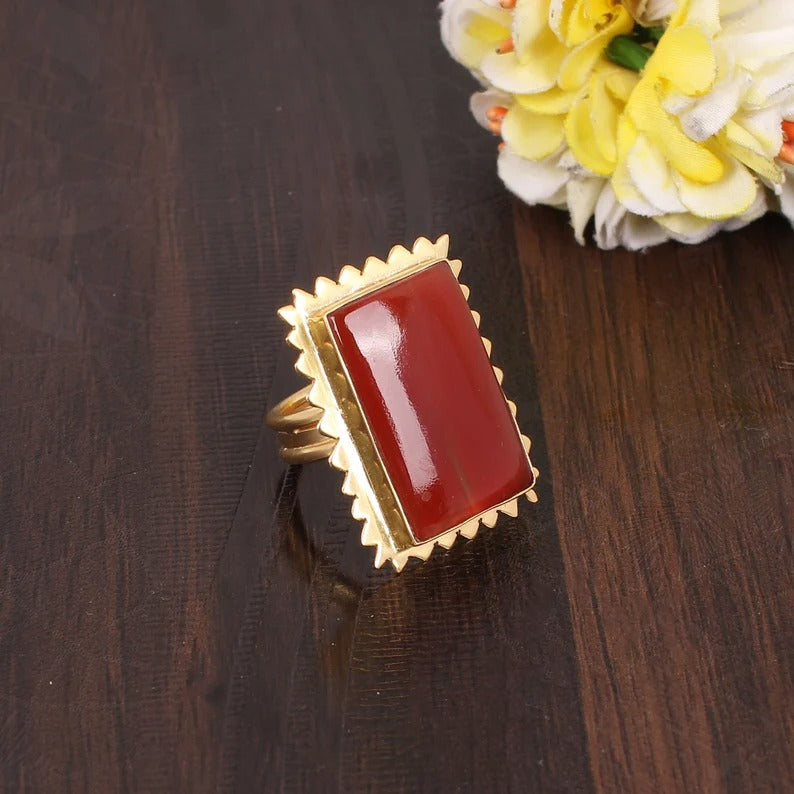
666 385
181 613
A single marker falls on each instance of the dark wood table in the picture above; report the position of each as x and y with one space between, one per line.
180 613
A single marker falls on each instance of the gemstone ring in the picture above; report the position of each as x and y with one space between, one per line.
404 399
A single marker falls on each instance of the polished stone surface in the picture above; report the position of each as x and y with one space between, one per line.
428 391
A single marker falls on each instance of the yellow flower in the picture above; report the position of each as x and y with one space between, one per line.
554 45
674 111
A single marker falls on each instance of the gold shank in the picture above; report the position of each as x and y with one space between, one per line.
294 411
298 424
309 453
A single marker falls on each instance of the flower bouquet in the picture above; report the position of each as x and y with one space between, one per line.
658 119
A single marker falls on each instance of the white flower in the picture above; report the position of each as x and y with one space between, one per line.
684 130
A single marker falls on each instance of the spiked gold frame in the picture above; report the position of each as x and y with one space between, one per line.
354 452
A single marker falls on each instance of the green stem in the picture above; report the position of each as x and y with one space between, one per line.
654 33
626 52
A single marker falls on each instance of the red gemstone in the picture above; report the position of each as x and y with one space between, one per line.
437 413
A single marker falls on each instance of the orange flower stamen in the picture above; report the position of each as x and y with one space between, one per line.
496 113
495 116
787 149
508 5
505 47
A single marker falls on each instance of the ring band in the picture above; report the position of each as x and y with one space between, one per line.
297 422
405 401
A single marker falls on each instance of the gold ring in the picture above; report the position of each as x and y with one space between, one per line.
404 399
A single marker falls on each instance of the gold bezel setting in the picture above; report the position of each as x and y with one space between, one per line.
355 452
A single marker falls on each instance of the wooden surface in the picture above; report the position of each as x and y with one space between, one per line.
178 613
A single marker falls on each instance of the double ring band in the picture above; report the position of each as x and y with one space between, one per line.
298 424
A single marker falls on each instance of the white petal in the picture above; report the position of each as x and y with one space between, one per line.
653 177
755 48
582 195
787 197
745 147
765 127
638 233
609 214
704 14
573 166
689 229
729 8
757 16
456 15
615 226
758 208
648 12
708 115
534 182
770 81
507 73
629 195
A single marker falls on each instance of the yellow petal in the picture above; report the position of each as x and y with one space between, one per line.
532 135
732 195
604 113
745 148
764 126
507 73
579 63
588 17
552 102
621 83
545 47
578 27
559 11
622 183
694 160
470 30
530 21
685 58
486 30
536 46
703 13
581 138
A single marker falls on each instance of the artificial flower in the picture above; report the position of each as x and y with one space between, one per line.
655 119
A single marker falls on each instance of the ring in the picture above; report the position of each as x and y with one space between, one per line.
403 398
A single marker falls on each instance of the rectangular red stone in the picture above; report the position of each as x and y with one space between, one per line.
436 411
